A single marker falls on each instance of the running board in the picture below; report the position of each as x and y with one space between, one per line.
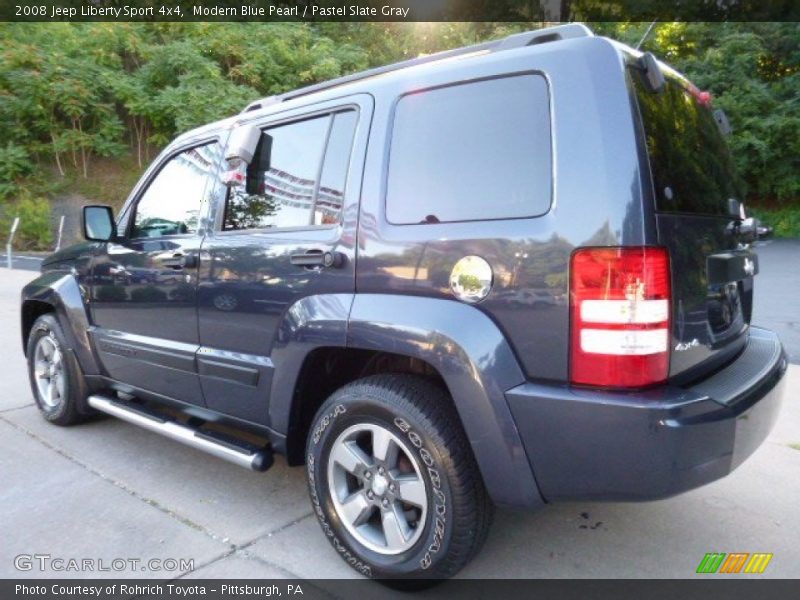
220 445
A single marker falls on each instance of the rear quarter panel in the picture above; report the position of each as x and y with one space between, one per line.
596 200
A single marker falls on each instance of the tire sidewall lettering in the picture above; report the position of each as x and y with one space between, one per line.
438 513
316 436
339 409
440 499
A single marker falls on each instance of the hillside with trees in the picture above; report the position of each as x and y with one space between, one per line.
84 107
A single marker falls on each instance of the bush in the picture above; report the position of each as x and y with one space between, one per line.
34 231
15 164
785 221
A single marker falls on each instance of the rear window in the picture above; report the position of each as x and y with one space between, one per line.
690 162
472 151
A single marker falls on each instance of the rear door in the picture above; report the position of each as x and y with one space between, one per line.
265 257
695 188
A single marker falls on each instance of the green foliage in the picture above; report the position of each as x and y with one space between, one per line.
785 221
14 166
470 283
78 97
34 221
755 77
56 95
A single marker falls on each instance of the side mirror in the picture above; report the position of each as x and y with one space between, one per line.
242 143
239 153
652 72
98 223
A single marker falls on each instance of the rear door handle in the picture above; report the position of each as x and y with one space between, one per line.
318 258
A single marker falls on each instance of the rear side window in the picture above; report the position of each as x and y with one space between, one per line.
297 176
330 197
691 166
472 151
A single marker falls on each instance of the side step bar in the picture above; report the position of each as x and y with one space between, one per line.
220 445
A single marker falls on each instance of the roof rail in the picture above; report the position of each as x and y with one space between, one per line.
519 40
543 36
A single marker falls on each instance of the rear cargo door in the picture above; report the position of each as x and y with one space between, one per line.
694 182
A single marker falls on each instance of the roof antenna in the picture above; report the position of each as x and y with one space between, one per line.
646 35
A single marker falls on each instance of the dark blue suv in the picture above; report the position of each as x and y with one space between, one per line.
509 274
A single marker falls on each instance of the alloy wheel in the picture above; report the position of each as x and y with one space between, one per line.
49 371
377 488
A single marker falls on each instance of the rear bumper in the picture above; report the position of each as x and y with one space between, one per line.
586 444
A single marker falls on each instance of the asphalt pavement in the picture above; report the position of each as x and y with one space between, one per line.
108 490
777 292
23 262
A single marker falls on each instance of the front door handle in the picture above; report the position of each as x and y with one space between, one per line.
318 258
178 261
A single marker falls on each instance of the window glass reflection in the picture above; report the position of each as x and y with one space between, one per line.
692 168
171 203
281 188
470 152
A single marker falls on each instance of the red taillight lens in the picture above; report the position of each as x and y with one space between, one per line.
620 313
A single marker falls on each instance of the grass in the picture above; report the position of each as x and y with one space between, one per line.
785 220
794 446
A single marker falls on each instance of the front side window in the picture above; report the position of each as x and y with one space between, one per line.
171 203
472 151
297 176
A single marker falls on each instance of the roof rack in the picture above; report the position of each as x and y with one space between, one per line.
519 40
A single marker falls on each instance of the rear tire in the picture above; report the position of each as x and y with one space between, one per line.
56 379
393 481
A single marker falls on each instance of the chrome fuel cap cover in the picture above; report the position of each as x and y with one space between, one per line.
471 279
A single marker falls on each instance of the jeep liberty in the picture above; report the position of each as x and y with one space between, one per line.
510 274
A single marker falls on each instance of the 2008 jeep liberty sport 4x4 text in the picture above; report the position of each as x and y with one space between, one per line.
510 274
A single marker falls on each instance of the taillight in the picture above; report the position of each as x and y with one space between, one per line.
620 313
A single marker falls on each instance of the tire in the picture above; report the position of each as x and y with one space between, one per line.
67 405
435 496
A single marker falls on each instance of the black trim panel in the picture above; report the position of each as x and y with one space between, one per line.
173 359
243 375
731 266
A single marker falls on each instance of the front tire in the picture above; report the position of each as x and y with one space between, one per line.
56 379
393 481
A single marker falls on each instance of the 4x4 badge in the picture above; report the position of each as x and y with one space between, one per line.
686 345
